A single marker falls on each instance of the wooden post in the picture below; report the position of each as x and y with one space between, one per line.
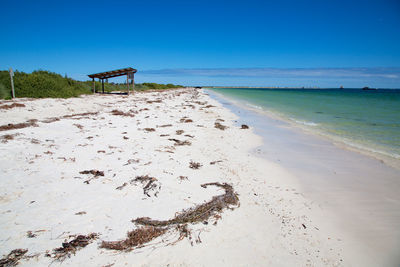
127 81
94 86
102 84
133 82
12 83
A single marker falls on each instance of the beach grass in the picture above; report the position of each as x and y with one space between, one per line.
43 84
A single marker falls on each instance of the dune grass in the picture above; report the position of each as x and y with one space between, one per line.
42 84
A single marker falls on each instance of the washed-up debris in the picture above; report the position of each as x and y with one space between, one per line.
69 248
149 183
79 126
79 116
194 165
182 178
199 213
154 101
165 125
29 234
152 229
35 141
13 257
7 137
220 126
149 129
134 238
186 120
121 186
94 172
188 135
213 162
117 112
81 213
180 143
11 126
130 161
244 126
179 132
13 105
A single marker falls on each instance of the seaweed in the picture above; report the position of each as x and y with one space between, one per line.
199 213
194 165
220 126
69 248
180 143
7 137
244 126
96 173
149 184
149 129
117 112
134 238
13 105
12 126
13 257
150 229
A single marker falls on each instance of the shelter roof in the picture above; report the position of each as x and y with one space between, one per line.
113 73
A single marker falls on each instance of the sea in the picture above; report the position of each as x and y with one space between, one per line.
363 119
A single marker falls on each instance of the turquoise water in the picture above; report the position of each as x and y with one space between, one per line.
363 119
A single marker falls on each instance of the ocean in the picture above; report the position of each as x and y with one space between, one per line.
367 120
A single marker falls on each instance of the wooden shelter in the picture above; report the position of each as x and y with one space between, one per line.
129 72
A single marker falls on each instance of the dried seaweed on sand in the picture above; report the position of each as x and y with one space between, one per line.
13 105
149 184
134 238
12 126
180 143
194 165
151 229
94 172
13 257
198 213
117 112
220 126
69 248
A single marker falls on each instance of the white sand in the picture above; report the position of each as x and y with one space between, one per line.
41 188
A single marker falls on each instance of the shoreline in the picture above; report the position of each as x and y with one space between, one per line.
383 156
340 180
77 173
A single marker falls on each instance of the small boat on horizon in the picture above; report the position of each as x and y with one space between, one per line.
367 88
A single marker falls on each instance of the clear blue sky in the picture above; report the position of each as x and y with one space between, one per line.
206 42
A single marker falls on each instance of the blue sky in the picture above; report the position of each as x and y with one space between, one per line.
260 43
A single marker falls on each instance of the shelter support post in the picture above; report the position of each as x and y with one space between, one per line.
94 86
102 84
133 83
127 82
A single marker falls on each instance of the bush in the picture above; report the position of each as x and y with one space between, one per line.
40 84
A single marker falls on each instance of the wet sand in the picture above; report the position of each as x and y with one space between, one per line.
358 193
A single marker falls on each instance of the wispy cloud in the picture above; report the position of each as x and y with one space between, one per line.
313 73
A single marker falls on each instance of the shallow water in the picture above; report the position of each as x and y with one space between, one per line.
364 119
358 193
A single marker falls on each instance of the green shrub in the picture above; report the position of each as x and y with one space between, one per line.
40 84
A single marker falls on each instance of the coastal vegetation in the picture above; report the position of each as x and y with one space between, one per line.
41 84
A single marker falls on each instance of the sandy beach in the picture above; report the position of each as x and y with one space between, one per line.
78 174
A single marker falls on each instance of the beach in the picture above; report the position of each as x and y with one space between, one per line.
93 168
